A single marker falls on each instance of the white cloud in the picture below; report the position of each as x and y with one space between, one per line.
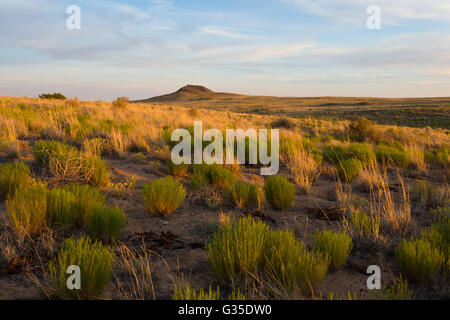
222 32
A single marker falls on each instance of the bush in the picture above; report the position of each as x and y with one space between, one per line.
361 151
362 129
236 249
289 265
364 225
177 169
106 223
199 178
95 262
121 103
86 196
215 174
335 154
348 170
61 209
336 245
439 236
27 210
244 250
13 176
45 151
163 196
390 155
96 171
279 192
245 194
442 156
428 195
57 96
418 259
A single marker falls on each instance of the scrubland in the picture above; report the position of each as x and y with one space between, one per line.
90 183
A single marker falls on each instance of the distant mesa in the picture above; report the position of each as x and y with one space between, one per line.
188 93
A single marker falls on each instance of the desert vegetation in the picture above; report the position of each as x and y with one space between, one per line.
91 183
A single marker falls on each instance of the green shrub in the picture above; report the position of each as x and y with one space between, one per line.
439 236
361 151
364 225
177 169
442 156
27 210
199 178
289 265
163 196
106 223
220 176
86 196
57 96
245 194
418 259
13 176
348 170
398 291
96 171
336 245
336 154
61 210
279 192
392 155
236 249
95 262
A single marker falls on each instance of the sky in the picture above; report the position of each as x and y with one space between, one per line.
144 48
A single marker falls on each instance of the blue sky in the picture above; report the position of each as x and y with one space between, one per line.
144 48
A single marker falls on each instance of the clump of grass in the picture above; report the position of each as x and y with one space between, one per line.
96 171
95 262
336 245
106 223
215 174
13 176
349 169
236 249
391 155
279 192
27 210
370 176
362 129
45 151
177 169
245 194
121 103
397 291
361 151
364 225
418 260
243 251
428 195
163 196
86 196
186 292
61 210
289 266
302 164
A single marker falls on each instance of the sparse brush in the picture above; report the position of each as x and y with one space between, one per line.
236 250
336 245
418 260
391 155
86 196
106 223
289 266
349 169
27 210
245 194
61 209
279 192
44 151
177 169
95 262
370 176
13 176
220 176
186 292
163 196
